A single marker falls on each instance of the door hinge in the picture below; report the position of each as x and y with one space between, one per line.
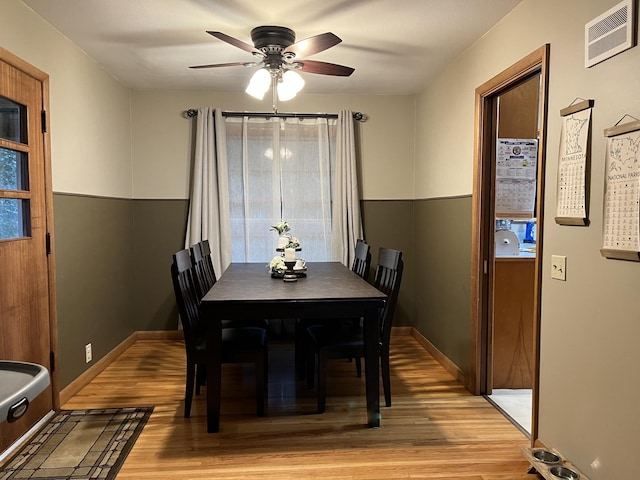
48 243
43 114
485 266
52 361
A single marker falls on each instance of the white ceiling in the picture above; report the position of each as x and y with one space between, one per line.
395 46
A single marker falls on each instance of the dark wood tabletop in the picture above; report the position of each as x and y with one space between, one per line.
330 290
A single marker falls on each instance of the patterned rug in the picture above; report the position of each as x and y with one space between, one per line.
80 444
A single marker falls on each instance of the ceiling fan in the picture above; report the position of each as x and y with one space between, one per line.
278 54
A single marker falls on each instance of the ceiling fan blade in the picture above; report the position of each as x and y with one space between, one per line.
324 68
236 43
232 64
312 45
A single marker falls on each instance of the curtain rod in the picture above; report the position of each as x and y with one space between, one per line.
361 117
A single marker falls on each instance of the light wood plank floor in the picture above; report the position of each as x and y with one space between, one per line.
434 430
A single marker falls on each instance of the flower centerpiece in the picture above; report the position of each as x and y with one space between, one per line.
283 266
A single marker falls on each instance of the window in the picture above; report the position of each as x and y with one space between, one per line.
14 172
280 169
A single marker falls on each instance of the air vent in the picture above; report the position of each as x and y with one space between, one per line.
610 33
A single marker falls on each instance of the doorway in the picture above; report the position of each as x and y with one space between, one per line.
27 292
508 200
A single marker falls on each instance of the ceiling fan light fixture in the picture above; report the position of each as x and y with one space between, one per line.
289 86
259 83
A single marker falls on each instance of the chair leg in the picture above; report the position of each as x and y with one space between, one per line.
201 377
322 382
311 365
188 395
260 385
386 376
359 367
265 369
299 349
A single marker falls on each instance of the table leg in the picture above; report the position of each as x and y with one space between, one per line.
214 374
371 365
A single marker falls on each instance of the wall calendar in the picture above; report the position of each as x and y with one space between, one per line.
621 224
516 171
574 161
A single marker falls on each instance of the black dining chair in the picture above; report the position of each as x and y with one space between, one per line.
206 278
332 341
362 261
239 344
205 248
360 266
203 267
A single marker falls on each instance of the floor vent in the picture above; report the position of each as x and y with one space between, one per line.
610 33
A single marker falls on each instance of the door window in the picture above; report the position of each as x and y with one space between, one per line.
14 172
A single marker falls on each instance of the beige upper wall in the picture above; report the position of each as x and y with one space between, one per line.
89 110
590 323
162 137
96 150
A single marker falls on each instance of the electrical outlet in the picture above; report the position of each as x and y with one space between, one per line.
559 267
88 355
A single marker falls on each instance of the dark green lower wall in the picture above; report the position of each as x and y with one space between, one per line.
112 272
442 240
113 258
159 232
389 223
94 281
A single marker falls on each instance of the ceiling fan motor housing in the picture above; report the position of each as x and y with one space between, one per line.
272 36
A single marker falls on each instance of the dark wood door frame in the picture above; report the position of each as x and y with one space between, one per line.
483 224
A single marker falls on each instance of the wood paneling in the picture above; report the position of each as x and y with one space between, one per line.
435 428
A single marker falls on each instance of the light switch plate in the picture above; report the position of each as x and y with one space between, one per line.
559 267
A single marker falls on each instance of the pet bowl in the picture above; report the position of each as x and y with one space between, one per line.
546 457
564 473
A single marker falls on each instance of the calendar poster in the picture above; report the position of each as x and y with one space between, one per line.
516 173
573 168
621 224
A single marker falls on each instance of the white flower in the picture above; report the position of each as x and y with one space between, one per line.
293 243
281 227
277 265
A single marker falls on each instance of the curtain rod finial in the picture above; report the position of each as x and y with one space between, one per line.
360 117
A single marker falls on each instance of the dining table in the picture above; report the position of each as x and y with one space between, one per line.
325 290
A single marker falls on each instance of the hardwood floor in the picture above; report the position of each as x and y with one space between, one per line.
434 430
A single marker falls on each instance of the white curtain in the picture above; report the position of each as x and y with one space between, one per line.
251 172
209 200
347 221
280 169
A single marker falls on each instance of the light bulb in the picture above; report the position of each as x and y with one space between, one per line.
259 84
290 85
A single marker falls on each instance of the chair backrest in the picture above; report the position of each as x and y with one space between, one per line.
205 277
185 289
362 261
206 254
387 279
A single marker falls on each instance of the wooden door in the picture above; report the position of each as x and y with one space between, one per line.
511 341
24 265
